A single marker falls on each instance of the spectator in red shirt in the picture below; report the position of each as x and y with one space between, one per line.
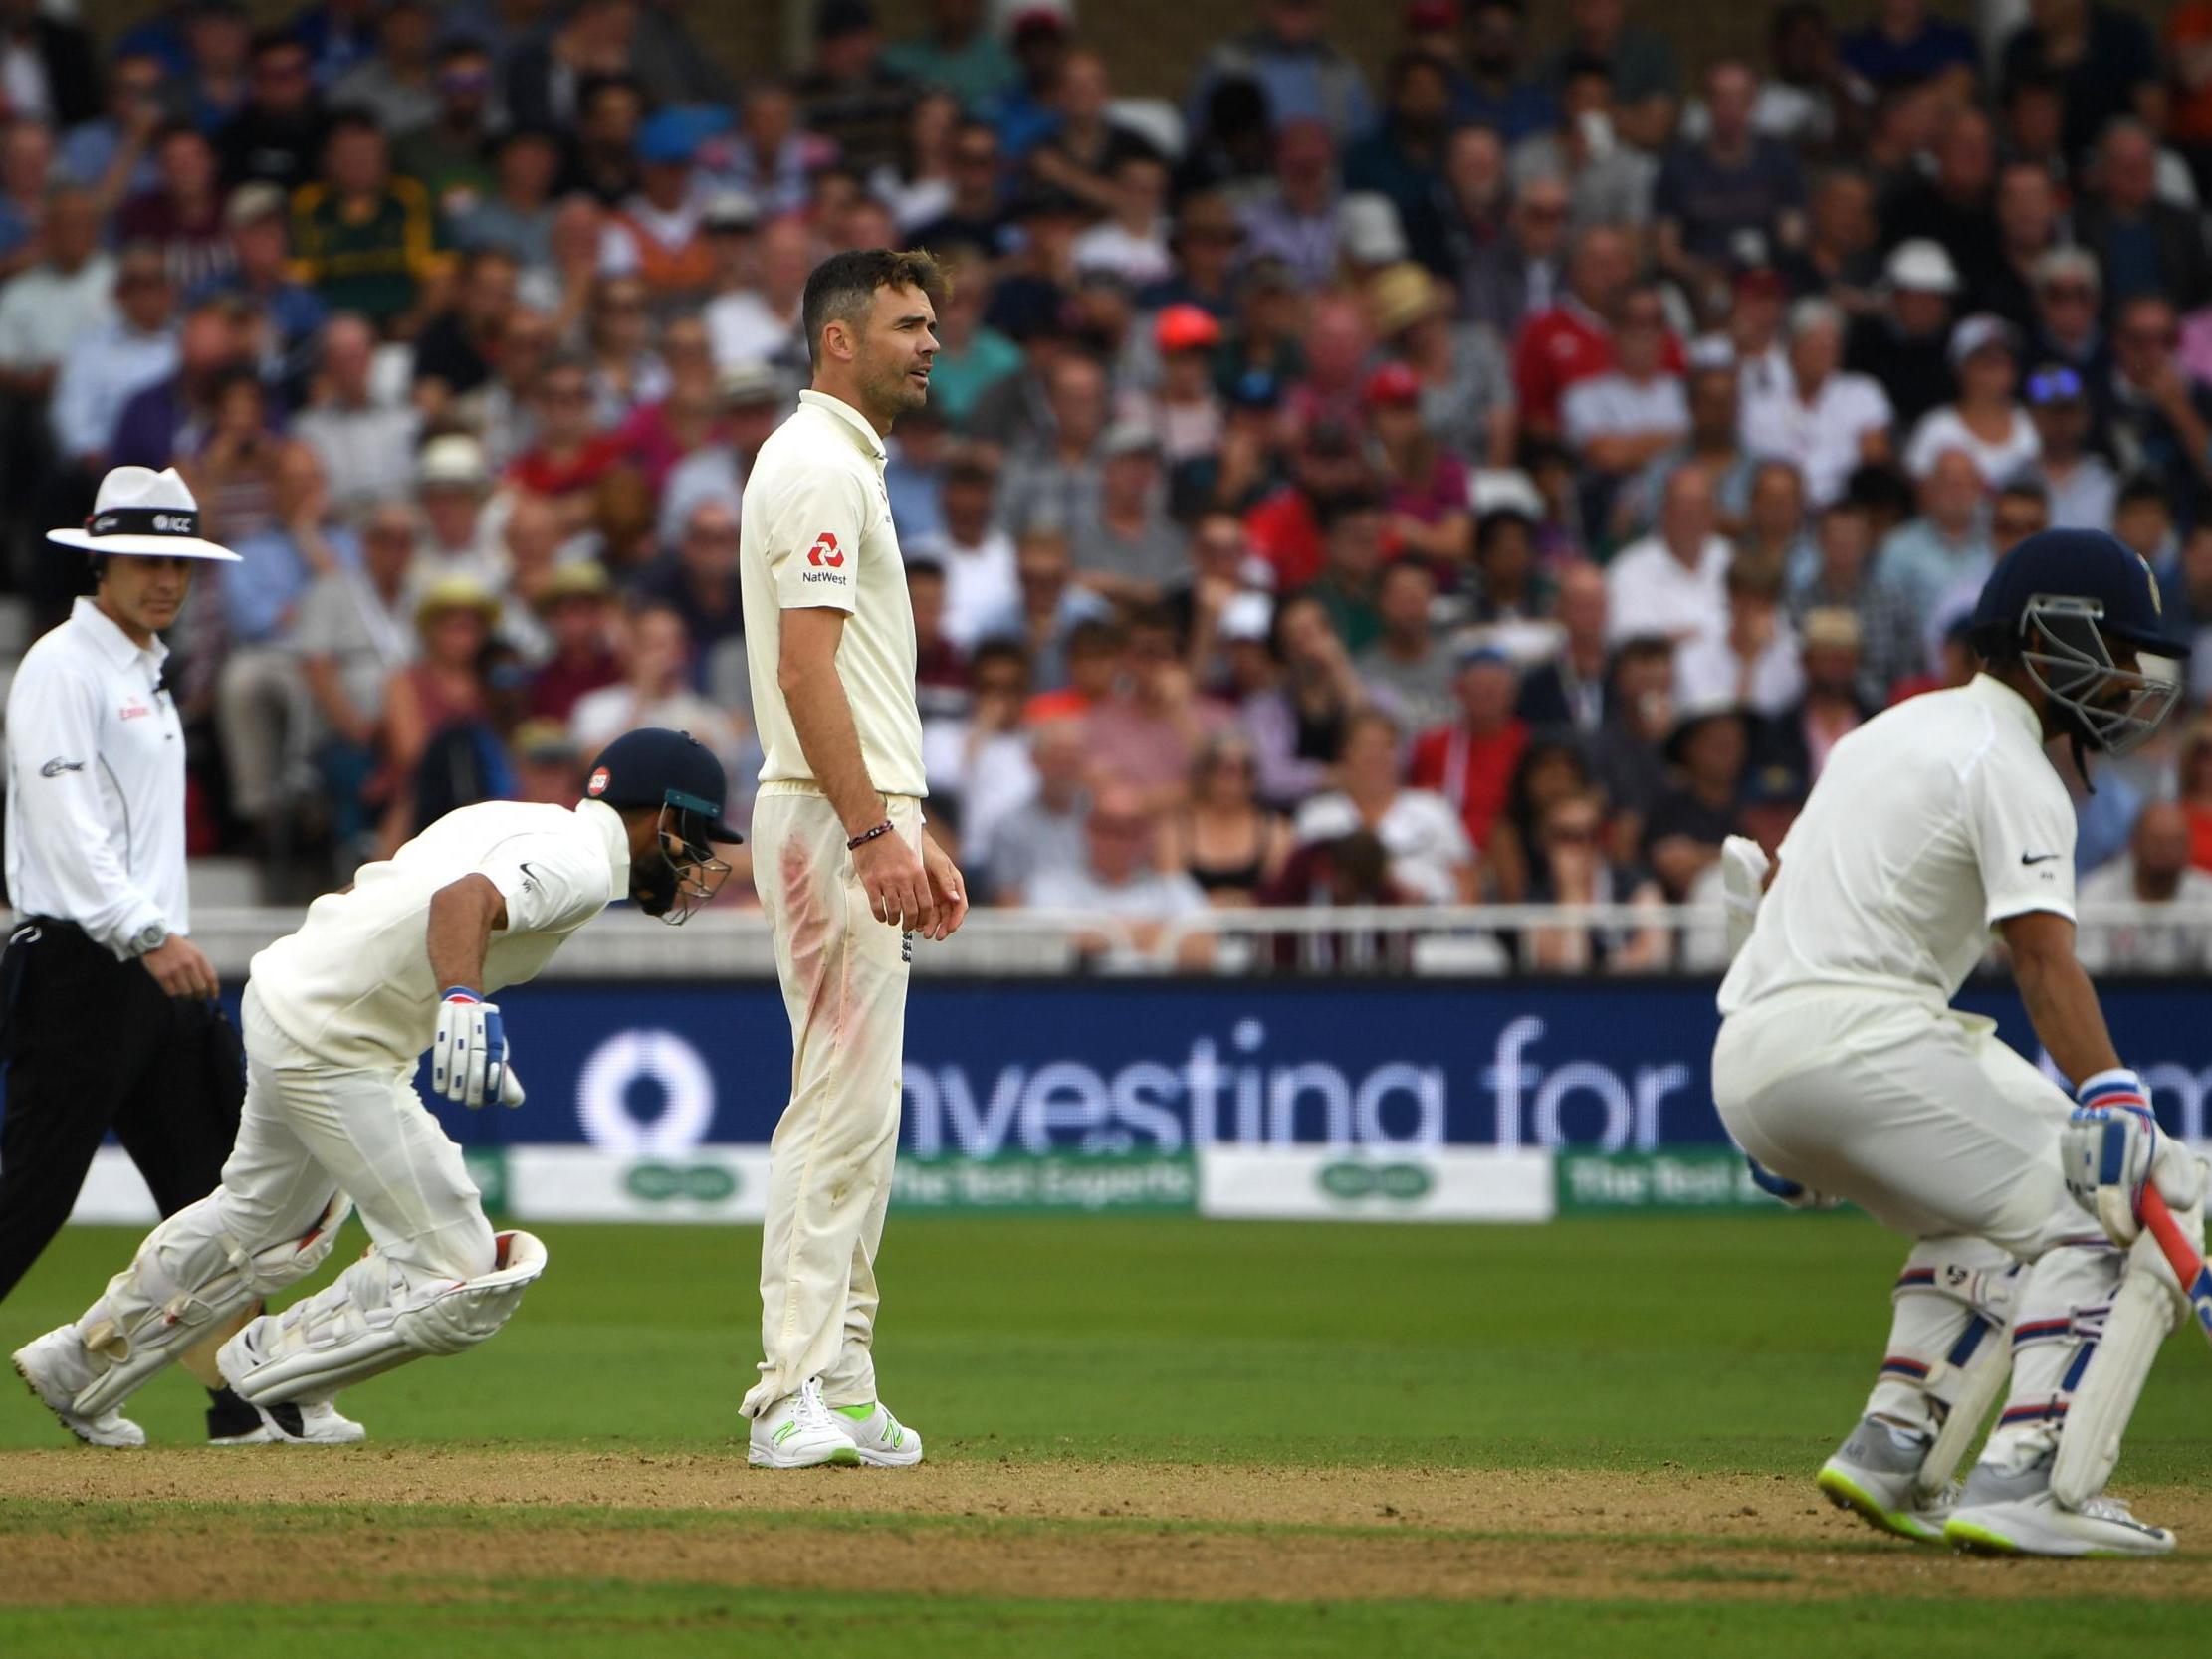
184 213
940 667
1285 527
1471 761
571 455
578 608
1573 339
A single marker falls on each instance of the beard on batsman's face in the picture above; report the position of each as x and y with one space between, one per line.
652 886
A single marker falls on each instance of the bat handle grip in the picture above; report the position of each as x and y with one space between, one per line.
2181 1255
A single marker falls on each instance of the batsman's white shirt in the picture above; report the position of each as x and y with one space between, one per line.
354 989
1930 825
1840 1062
816 532
95 783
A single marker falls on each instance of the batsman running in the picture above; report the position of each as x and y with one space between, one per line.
1842 1069
845 871
337 1016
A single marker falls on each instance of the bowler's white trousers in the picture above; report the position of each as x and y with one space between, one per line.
844 977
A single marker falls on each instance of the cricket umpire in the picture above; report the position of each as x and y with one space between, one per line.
845 871
107 1011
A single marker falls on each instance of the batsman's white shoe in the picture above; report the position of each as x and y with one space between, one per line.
300 1423
56 1368
2012 1512
880 1438
798 1432
1876 1473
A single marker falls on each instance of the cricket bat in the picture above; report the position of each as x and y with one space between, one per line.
2188 1265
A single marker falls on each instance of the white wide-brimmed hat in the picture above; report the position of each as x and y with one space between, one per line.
143 511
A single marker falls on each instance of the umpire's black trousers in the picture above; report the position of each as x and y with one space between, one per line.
93 1044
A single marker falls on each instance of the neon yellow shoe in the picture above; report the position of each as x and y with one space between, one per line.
2012 1512
1876 1474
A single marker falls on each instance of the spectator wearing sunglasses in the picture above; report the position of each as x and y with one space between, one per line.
451 153
2081 483
2155 420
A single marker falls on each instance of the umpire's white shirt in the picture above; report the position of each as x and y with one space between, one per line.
95 783
354 987
817 531
1930 825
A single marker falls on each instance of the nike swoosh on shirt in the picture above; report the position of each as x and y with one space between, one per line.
2039 858
529 878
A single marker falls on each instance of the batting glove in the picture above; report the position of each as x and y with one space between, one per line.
1796 1194
2107 1150
468 1056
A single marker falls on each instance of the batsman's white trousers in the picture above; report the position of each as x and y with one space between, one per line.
1919 1115
309 1130
844 977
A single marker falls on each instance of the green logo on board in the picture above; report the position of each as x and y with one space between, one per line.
701 1183
1351 1179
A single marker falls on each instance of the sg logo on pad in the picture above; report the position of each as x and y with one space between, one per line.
825 551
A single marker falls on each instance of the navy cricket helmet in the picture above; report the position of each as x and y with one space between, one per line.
2066 605
672 771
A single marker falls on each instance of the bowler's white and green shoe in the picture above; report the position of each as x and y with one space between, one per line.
798 1432
1876 1473
880 1438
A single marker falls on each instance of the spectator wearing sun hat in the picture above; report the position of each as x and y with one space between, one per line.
576 605
442 698
1986 421
1466 387
1901 346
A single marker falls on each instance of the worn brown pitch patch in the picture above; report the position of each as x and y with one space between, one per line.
1061 1529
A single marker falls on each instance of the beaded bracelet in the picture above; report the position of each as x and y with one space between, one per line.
868 835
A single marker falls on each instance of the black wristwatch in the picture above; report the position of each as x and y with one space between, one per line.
152 937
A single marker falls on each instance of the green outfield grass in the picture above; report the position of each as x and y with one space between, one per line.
1712 1347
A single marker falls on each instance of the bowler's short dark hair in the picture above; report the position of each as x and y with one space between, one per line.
843 286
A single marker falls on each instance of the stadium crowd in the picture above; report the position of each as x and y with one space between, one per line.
1498 481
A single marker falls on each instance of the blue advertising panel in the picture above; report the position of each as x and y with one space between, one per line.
1160 1066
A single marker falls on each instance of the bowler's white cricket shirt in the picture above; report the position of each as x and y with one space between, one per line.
817 531
354 986
1930 825
95 783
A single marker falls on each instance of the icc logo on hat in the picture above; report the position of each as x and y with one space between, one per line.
598 783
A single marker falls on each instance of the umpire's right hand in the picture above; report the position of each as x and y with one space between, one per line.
182 968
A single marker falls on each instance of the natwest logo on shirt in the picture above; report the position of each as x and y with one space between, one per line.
825 551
